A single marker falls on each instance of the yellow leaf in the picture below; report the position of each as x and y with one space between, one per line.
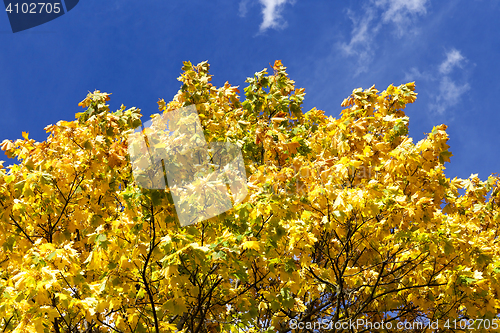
356 164
277 119
38 323
262 306
101 306
339 202
251 245
7 145
292 147
114 303
401 199
426 145
161 105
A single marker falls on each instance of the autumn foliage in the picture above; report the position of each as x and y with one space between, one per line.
345 219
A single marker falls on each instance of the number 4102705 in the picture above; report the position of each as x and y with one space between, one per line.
472 324
34 8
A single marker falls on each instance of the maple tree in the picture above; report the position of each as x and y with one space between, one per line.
345 219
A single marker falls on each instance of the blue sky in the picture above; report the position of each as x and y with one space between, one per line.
135 49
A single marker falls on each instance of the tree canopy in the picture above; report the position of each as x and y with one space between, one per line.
345 219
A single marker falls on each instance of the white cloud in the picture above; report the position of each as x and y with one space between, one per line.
447 84
243 8
401 11
453 59
449 91
376 15
361 36
360 33
271 13
414 74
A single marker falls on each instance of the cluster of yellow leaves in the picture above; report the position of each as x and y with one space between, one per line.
345 218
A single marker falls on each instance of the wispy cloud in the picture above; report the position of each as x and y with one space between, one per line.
445 80
401 12
376 15
360 44
449 91
271 13
243 8
453 59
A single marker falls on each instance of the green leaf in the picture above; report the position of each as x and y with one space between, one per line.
10 179
51 255
100 238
